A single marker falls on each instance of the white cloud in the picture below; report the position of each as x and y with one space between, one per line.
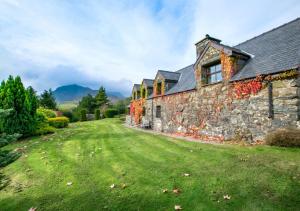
118 42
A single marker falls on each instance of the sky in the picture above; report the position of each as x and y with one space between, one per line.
50 43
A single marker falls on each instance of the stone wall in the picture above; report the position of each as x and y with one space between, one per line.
225 110
212 112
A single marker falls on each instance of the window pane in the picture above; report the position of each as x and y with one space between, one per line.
158 111
218 67
219 76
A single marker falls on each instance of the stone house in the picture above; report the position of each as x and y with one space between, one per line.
243 91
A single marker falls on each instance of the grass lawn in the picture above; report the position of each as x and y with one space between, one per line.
67 106
95 155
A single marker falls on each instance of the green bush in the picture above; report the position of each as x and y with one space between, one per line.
47 112
97 114
71 115
44 130
59 122
83 115
110 112
42 124
286 137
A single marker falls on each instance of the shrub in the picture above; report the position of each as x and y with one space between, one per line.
97 114
110 113
42 124
47 112
47 129
71 115
286 137
83 115
58 122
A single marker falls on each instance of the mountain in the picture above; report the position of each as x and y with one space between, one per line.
75 92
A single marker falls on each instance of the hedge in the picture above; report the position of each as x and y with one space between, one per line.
97 114
47 112
58 122
83 115
110 112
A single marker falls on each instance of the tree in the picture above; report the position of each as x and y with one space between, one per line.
88 103
47 100
6 156
83 115
97 114
31 101
101 97
23 103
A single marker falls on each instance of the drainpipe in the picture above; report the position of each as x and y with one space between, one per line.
298 93
270 98
152 124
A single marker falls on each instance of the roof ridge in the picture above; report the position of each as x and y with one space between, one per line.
168 71
271 30
184 68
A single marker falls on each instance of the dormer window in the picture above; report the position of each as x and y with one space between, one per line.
158 88
212 74
143 93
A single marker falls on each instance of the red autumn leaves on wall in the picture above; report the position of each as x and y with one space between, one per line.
245 89
136 110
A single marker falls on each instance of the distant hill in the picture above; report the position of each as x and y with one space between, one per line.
74 93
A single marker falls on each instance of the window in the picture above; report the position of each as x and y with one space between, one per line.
143 93
150 90
158 88
158 111
144 111
213 74
138 95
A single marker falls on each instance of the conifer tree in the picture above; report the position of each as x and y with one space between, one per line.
47 100
101 97
6 156
23 103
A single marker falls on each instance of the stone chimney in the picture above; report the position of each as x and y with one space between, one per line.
200 46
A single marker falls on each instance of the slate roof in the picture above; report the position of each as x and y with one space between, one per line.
137 86
273 51
148 82
185 82
173 76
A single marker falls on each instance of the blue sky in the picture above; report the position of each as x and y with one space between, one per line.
117 43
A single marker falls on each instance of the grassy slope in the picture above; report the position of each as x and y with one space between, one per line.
255 177
67 106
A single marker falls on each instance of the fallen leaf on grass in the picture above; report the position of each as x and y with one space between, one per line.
124 186
176 191
69 183
113 186
178 207
226 197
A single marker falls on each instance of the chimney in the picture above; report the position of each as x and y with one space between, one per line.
200 46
